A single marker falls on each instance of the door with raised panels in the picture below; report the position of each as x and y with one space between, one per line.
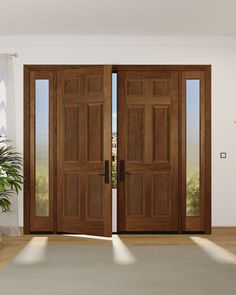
148 150
84 150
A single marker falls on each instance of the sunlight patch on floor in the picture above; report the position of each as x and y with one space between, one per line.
88 237
121 254
216 252
34 252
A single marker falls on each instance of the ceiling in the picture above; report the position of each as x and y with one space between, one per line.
182 17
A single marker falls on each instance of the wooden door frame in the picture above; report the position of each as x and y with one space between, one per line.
31 74
180 68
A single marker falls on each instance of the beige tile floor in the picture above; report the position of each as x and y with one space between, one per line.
224 237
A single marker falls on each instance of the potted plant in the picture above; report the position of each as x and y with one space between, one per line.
11 178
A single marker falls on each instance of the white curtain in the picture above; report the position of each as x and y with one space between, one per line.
9 223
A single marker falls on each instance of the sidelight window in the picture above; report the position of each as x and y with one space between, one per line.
192 147
42 147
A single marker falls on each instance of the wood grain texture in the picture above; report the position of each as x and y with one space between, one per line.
71 131
84 142
72 197
135 194
95 199
161 194
95 132
26 150
135 133
161 134
148 143
107 148
208 151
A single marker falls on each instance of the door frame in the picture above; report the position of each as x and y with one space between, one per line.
207 132
29 147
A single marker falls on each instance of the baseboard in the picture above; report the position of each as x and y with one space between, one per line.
215 229
21 230
224 229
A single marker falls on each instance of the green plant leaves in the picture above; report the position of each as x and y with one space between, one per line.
11 178
114 174
193 195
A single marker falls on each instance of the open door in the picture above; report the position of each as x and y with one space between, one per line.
84 150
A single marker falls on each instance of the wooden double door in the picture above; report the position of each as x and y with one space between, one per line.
68 184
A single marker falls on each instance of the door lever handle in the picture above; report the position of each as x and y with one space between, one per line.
121 170
106 172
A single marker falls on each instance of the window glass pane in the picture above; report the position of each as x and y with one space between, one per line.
192 147
42 147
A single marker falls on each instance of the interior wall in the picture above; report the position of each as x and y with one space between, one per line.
220 52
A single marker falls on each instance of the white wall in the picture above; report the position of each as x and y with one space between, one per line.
220 52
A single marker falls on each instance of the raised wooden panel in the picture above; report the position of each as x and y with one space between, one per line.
71 194
161 88
135 133
135 194
161 194
135 88
71 132
161 133
95 196
72 86
95 132
94 85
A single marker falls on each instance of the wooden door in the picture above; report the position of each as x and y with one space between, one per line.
84 150
148 150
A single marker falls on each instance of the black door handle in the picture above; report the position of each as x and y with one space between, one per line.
106 173
121 170
107 168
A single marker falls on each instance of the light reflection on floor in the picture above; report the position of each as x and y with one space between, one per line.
34 252
216 252
88 237
121 254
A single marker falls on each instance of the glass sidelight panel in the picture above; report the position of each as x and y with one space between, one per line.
42 147
192 147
